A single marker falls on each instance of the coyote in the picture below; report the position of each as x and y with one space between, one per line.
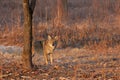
46 47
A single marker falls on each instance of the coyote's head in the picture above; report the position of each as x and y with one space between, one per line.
52 42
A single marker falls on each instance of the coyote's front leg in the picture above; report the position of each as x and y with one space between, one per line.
46 58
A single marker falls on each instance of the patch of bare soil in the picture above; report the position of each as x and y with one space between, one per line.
69 64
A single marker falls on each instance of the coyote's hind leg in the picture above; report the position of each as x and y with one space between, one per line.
51 58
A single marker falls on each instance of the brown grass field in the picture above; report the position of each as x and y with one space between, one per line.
69 64
88 46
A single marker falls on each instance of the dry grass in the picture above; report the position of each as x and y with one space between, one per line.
11 36
69 64
85 34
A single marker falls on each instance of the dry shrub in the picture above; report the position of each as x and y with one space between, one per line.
83 34
12 36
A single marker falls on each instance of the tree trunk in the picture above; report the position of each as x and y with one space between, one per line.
27 50
62 10
65 8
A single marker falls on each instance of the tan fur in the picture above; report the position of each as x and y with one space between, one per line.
46 47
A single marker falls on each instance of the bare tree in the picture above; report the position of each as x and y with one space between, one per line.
28 8
62 9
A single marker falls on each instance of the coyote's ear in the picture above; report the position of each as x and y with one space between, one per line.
49 37
56 37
